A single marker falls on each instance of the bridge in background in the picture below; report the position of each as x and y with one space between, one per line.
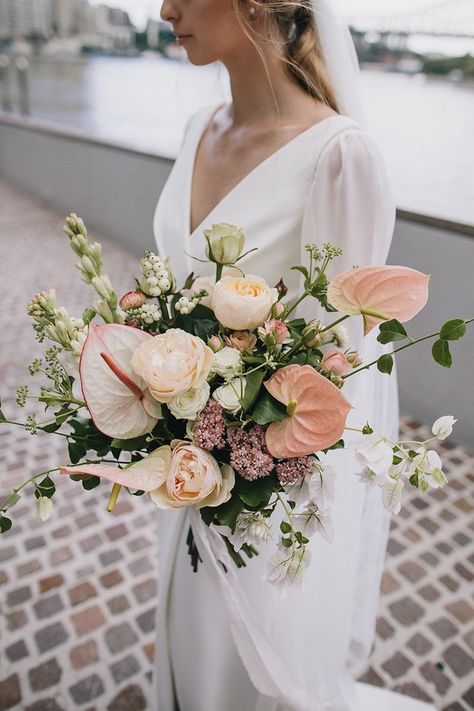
444 18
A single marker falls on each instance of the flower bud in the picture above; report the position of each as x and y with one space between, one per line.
311 334
132 300
353 358
278 309
215 343
281 288
225 243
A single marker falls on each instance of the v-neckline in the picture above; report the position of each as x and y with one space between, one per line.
194 149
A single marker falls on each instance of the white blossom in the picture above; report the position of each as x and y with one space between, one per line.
321 486
286 568
443 426
391 492
251 529
45 507
374 452
314 520
340 335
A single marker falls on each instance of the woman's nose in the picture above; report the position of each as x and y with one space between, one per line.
168 12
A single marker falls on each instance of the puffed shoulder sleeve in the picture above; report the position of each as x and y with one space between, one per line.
350 203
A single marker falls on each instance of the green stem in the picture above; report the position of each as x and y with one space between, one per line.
219 268
297 302
25 483
397 350
164 307
339 320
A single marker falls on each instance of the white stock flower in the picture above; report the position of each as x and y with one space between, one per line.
443 426
187 405
286 568
251 529
230 394
374 452
227 362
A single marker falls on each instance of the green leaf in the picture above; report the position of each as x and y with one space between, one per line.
53 427
391 331
2 417
207 514
268 410
14 499
453 330
414 480
441 353
227 513
423 486
385 363
304 272
285 527
138 492
46 487
5 524
205 328
256 494
76 452
129 445
91 482
254 383
287 542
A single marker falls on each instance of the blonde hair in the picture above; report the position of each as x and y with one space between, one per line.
289 27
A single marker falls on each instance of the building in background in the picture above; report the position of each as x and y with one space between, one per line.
25 19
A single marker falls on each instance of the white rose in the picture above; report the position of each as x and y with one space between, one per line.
228 395
187 405
227 362
243 303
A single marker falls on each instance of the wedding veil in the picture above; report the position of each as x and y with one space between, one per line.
340 58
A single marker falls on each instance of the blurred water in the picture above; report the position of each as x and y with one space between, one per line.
424 127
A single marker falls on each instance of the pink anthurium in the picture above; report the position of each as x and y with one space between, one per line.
117 398
316 412
146 475
379 293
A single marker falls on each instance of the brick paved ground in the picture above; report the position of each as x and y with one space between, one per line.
77 593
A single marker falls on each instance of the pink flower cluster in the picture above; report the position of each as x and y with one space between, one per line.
209 429
249 456
290 470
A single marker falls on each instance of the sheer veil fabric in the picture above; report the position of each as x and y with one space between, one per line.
230 642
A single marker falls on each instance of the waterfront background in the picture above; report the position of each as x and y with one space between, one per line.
423 125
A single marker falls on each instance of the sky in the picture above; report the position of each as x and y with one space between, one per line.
141 9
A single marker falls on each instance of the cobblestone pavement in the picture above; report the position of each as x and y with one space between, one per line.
77 593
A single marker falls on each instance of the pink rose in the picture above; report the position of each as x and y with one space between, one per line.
337 363
194 478
275 327
241 340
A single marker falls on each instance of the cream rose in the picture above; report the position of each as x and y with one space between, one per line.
208 283
229 395
242 302
188 405
194 479
172 363
227 362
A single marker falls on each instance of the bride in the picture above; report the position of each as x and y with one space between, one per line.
287 160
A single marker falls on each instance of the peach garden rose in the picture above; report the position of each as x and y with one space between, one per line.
172 363
243 303
194 478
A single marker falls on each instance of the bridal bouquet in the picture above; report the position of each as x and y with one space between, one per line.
214 396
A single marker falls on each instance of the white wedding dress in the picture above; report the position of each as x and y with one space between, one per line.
328 184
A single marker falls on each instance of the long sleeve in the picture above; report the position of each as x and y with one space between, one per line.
351 205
